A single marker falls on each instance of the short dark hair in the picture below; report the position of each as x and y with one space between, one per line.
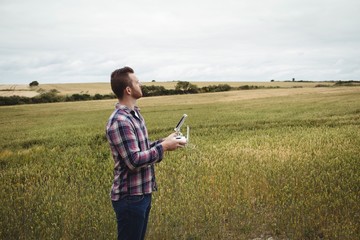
120 80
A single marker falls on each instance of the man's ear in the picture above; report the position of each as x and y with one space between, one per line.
128 90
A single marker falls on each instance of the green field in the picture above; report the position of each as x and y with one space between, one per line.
280 163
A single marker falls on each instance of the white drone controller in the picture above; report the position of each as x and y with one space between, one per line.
179 135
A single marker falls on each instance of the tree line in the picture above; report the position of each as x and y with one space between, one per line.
182 87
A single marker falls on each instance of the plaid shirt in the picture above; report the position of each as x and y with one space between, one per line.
134 156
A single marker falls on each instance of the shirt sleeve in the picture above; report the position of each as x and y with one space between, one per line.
124 140
152 144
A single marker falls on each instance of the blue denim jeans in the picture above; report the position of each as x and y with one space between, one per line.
132 215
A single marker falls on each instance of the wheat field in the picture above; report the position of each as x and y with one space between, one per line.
279 163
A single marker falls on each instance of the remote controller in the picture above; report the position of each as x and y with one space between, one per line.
180 136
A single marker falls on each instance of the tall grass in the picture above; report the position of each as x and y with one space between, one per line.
286 167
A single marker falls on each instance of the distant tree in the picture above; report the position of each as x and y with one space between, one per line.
153 90
223 87
54 90
34 84
244 87
216 88
47 97
98 96
186 87
153 81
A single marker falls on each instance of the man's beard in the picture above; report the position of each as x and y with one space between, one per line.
136 94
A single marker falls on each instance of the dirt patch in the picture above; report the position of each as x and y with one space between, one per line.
8 90
18 93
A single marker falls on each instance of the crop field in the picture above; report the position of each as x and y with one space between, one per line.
280 163
104 88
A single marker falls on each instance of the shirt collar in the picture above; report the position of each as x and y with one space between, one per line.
126 108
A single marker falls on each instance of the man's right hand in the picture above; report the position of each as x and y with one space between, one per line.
171 143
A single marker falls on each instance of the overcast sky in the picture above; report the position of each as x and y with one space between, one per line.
189 40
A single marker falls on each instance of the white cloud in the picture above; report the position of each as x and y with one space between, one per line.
73 41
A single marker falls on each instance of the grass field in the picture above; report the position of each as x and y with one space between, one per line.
280 163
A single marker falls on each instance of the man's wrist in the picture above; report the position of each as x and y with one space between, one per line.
163 145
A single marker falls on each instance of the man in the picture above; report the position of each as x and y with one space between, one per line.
134 157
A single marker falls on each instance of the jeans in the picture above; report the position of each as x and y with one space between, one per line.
132 215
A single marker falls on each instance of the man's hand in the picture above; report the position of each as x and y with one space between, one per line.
171 143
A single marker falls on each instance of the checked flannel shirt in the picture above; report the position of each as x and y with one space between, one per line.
134 156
